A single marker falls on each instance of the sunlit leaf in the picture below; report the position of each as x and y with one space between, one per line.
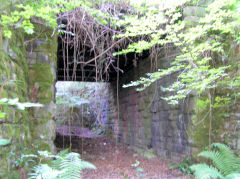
4 142
2 115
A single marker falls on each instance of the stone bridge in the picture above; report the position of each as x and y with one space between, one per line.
140 119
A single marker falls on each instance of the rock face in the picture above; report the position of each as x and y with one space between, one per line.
145 122
148 124
27 73
41 61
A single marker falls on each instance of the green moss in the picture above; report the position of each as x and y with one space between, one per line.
51 44
21 85
149 154
13 66
4 71
13 174
147 123
42 74
21 68
4 94
43 146
8 65
14 116
145 153
200 132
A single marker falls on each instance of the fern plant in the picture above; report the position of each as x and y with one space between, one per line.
65 166
225 164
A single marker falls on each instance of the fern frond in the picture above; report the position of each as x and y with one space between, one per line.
43 171
213 155
66 166
223 158
221 147
59 158
63 153
204 171
233 176
87 165
226 161
72 166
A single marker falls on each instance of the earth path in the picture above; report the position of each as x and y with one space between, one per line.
115 160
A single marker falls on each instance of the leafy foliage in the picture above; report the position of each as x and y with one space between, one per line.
204 60
4 142
204 171
139 170
43 171
65 166
225 163
27 13
183 167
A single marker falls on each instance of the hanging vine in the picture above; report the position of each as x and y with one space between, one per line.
89 35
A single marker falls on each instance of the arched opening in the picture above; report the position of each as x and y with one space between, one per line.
89 128
82 111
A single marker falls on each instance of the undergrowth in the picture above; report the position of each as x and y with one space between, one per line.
64 165
184 167
224 163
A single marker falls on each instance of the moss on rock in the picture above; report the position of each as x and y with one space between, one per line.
42 74
199 133
17 81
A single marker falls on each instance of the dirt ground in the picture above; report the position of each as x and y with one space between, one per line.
114 161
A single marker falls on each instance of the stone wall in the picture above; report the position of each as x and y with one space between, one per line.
13 84
146 122
41 60
152 127
27 74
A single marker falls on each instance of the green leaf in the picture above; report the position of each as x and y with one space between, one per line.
4 142
2 115
7 33
204 171
173 166
233 176
136 164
